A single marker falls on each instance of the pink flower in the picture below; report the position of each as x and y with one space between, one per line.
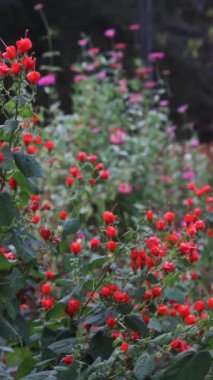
118 136
134 27
135 98
110 33
120 46
101 75
93 51
194 143
149 84
82 42
164 103
166 179
47 80
170 131
80 78
188 176
183 108
156 55
125 188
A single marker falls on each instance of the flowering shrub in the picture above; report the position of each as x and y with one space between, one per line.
85 296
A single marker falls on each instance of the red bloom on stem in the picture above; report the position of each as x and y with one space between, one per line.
156 291
124 347
81 156
111 245
199 306
210 303
76 247
46 288
47 303
169 216
23 45
162 310
160 225
1 157
28 63
33 77
109 217
63 215
149 215
105 174
111 231
95 243
111 322
49 145
168 267
10 53
72 307
4 69
68 359
69 181
49 275
15 68
27 138
45 233
184 311
12 183
190 320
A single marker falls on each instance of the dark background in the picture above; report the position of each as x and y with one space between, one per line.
181 28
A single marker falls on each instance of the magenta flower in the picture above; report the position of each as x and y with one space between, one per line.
134 27
194 143
125 188
118 136
47 80
80 78
156 55
110 33
188 176
135 98
183 108
82 42
170 131
93 51
164 103
101 75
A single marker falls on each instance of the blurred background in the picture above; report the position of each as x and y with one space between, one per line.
183 29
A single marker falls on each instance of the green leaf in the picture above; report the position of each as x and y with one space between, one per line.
26 112
7 159
101 345
188 365
9 213
175 294
162 339
5 265
63 346
44 375
144 366
136 323
96 262
10 107
26 365
27 164
71 226
28 185
10 126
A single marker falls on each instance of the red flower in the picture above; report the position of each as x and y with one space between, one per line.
12 183
210 303
4 69
63 215
49 145
95 243
111 231
27 138
160 225
47 303
169 216
23 45
81 156
111 245
184 311
168 267
111 322
199 306
72 307
149 215
75 247
69 181
109 217
1 157
10 53
36 219
124 347
28 63
15 68
156 291
49 275
162 309
33 77
105 174
46 288
92 158
190 319
45 232
68 359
